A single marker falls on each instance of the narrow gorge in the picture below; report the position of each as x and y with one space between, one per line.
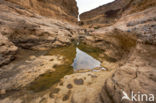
48 56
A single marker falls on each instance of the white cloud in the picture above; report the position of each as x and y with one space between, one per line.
86 5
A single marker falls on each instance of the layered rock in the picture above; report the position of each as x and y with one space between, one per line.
7 50
137 76
25 69
62 9
143 25
105 13
137 72
32 31
128 50
110 13
22 27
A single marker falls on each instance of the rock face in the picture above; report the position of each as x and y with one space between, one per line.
143 25
110 13
105 13
62 9
126 36
137 75
24 71
7 50
22 26
29 30
117 43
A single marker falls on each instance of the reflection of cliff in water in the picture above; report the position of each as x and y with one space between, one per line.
84 61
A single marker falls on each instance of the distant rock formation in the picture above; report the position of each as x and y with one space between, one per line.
110 13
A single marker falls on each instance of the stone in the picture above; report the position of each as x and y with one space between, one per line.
78 81
66 96
7 50
69 86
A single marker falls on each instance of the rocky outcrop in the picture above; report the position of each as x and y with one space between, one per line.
24 24
137 76
62 9
32 31
110 13
105 13
7 50
127 45
25 69
117 43
137 71
143 26
22 27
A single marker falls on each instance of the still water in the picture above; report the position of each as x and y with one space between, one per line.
84 61
76 57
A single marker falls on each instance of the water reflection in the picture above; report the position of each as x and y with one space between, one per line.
84 61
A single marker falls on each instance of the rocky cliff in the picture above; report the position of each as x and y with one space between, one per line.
23 25
62 9
136 73
110 13
31 30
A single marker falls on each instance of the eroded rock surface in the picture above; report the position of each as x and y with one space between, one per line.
137 75
32 31
22 72
65 10
25 31
143 26
111 12
7 50
127 37
106 13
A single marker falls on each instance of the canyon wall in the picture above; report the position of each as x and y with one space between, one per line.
110 13
29 28
58 9
114 23
35 24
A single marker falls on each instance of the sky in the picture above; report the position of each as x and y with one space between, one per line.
86 5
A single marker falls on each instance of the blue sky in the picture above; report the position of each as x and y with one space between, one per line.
86 5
